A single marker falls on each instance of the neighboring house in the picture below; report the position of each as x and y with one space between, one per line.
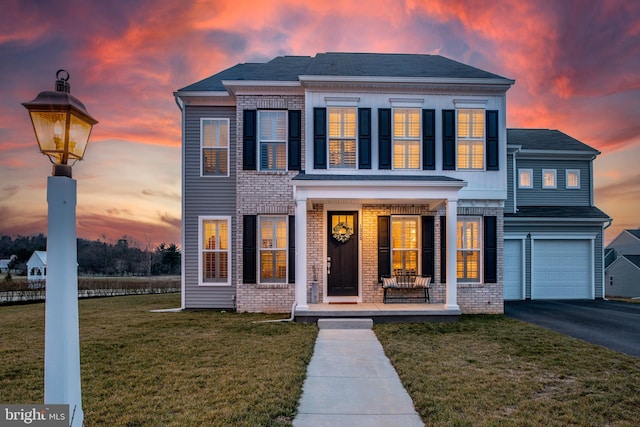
553 231
37 266
4 263
325 173
622 271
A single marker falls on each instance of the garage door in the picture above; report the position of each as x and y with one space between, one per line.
513 269
561 269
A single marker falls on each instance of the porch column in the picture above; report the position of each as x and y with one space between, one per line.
301 254
451 302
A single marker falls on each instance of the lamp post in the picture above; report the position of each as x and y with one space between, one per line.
62 126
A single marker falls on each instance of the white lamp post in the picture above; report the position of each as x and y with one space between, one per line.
62 126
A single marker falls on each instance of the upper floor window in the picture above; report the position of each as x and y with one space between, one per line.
573 179
272 137
525 178
404 245
470 138
215 243
273 249
468 249
549 178
406 138
214 143
342 137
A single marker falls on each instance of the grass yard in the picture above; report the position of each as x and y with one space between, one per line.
492 370
139 368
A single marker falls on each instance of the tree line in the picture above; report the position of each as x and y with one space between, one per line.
125 257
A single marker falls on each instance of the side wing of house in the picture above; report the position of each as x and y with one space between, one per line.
553 231
626 243
208 203
622 277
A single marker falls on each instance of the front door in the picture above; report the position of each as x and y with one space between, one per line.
342 254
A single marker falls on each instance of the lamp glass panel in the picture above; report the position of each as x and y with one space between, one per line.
78 137
49 128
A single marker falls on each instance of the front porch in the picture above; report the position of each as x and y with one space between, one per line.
379 312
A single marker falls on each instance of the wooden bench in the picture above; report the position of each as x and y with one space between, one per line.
404 283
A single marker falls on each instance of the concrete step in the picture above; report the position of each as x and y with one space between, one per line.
345 323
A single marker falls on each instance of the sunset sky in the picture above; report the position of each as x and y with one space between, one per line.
576 65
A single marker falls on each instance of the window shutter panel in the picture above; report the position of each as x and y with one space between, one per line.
295 140
364 138
384 138
449 139
292 249
384 246
249 249
428 139
492 140
490 250
249 140
320 138
443 249
428 246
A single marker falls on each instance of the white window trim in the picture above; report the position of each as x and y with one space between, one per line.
530 172
555 179
567 173
260 249
355 138
395 139
466 105
260 141
200 250
202 174
418 248
480 249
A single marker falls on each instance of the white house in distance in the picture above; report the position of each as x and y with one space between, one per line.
310 178
37 266
622 265
4 263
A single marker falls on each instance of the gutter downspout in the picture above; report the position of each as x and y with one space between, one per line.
183 301
604 282
290 319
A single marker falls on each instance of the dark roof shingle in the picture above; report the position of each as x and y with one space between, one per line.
546 139
571 212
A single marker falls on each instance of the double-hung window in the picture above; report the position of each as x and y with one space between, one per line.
470 138
573 179
273 249
214 143
549 178
468 249
404 245
525 178
406 138
342 138
272 137
215 243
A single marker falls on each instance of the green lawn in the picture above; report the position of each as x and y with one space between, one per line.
492 370
139 368
199 368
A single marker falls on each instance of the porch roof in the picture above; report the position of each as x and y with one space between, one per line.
302 176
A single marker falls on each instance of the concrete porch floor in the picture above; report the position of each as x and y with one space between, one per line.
379 312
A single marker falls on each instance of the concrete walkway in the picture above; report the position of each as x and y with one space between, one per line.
350 382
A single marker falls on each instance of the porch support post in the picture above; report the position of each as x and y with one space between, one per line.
452 277
301 254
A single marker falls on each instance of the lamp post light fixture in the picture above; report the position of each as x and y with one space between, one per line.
62 126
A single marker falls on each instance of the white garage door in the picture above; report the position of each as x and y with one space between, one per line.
513 269
561 269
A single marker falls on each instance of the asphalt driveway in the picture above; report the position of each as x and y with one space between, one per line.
612 324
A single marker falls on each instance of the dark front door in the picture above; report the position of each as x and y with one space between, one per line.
342 254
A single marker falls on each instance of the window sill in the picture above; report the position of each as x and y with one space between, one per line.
214 285
273 285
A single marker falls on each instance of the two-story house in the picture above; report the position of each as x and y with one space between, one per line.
622 265
307 179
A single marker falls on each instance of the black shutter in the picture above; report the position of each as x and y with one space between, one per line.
292 249
448 139
428 139
384 246
428 246
295 140
492 140
490 250
320 138
249 249
249 140
443 249
364 138
384 138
